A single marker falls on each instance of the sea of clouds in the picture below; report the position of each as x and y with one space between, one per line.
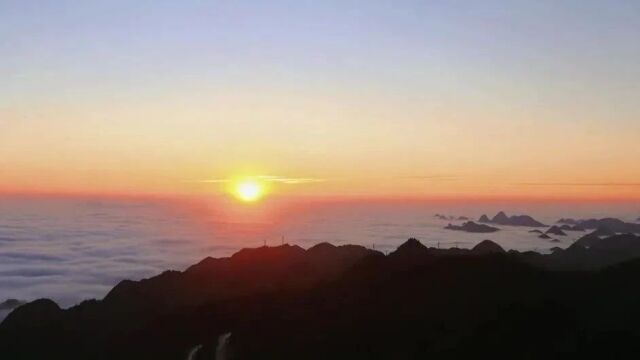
75 249
70 250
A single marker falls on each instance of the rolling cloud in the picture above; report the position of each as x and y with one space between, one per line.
74 250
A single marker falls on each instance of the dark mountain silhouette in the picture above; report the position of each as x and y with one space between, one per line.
627 242
32 318
487 247
450 217
348 302
590 252
410 250
516 220
602 231
554 230
613 224
566 227
568 221
472 227
536 231
11 304
544 236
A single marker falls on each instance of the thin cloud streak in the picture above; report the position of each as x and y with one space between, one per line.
310 180
578 184
269 178
288 180
430 177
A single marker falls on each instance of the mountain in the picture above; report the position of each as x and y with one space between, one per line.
487 247
11 304
567 227
472 227
501 218
602 231
568 221
593 252
613 224
554 230
8 305
349 302
450 217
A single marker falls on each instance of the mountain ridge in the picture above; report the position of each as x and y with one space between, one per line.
327 293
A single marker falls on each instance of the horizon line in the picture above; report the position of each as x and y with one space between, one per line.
326 198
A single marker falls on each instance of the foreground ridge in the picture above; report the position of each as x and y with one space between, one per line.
351 302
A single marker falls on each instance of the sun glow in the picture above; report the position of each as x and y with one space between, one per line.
249 191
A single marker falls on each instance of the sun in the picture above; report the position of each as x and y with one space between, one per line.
249 191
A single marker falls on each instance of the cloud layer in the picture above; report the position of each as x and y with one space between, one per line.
71 250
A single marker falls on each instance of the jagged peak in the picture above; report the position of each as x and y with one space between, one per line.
411 246
412 243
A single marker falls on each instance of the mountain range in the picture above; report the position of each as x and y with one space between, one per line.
516 220
350 302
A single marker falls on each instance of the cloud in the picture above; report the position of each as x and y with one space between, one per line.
270 178
214 181
311 180
68 252
430 177
289 180
612 184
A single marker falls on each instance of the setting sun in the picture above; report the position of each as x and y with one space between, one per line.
249 191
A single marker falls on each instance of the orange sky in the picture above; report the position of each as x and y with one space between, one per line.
346 146
535 103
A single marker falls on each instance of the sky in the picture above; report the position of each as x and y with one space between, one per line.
407 99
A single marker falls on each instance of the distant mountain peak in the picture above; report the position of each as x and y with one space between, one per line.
501 218
472 227
555 230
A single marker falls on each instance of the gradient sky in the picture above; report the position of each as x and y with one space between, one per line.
374 98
